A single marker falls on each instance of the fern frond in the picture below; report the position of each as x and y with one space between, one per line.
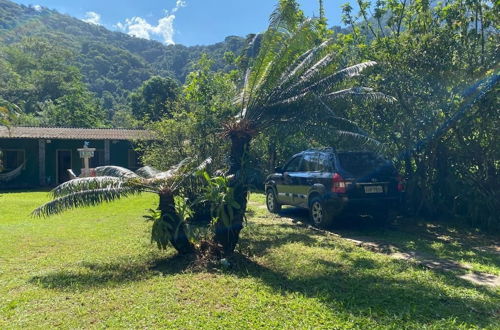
147 172
338 77
82 184
84 198
360 92
302 62
116 171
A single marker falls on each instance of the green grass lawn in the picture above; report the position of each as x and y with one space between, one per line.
95 267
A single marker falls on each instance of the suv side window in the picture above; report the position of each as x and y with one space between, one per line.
325 162
293 165
309 163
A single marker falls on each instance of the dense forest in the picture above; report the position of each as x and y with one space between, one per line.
41 47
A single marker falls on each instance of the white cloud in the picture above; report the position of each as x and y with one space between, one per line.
178 5
37 7
92 18
120 26
140 28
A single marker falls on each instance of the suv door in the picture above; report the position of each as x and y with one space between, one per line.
286 187
306 177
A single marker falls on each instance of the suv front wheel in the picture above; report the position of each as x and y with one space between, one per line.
271 202
319 214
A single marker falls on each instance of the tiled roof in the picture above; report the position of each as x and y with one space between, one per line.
65 133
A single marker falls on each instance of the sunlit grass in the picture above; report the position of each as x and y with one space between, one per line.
95 267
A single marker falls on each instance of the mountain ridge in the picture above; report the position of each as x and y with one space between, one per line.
110 61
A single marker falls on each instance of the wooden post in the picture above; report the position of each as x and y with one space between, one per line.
41 162
107 153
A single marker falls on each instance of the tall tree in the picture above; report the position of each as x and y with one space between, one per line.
153 99
292 79
433 56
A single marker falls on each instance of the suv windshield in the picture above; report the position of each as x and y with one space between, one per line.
360 163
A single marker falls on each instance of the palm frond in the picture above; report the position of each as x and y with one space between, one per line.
317 67
302 62
336 78
358 137
243 95
204 164
147 172
116 171
82 184
190 172
292 75
265 80
84 198
360 92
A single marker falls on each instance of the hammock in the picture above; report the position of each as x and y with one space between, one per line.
9 176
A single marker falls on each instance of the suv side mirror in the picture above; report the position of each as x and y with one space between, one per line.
278 170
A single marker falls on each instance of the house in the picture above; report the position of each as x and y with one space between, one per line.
41 156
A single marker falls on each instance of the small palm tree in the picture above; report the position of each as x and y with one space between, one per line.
113 182
291 80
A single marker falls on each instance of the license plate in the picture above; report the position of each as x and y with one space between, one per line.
374 189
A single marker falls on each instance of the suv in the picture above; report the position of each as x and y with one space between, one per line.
329 183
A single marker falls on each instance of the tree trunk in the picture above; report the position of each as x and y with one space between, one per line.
272 154
178 237
228 237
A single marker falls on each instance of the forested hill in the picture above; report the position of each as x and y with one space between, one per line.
109 61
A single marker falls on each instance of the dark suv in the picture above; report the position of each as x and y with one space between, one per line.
329 183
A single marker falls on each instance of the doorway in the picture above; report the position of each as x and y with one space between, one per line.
63 164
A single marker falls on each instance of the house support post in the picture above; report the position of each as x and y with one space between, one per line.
41 162
107 153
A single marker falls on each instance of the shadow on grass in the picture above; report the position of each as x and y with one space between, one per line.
354 287
437 239
91 275
378 297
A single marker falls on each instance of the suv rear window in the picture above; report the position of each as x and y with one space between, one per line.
360 163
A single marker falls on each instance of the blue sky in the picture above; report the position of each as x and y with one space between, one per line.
187 22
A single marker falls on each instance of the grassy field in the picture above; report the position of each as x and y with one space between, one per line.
96 268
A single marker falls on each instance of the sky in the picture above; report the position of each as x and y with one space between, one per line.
186 22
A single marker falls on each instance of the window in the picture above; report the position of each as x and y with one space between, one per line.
12 159
325 163
309 163
293 165
361 163
134 161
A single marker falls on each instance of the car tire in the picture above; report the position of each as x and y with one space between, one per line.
271 202
320 216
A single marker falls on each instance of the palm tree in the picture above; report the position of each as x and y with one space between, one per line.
292 79
113 182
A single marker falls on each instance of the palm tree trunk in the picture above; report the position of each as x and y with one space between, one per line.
178 237
228 237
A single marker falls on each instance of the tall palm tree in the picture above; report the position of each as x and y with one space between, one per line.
292 79
113 182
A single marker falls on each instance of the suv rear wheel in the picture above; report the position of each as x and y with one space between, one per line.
319 214
271 202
